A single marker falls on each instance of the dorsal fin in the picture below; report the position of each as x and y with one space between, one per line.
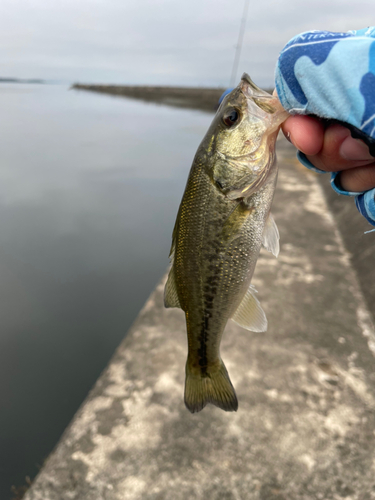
250 314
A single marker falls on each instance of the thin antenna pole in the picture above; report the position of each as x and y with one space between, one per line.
239 44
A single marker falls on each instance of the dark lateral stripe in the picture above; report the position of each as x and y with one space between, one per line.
202 351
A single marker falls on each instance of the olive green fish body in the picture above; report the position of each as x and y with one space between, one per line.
216 243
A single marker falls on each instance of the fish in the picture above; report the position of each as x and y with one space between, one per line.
223 220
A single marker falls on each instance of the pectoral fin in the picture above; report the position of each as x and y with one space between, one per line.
250 314
271 236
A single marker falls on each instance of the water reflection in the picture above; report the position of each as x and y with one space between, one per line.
89 189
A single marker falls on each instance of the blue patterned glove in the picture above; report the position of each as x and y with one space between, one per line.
332 75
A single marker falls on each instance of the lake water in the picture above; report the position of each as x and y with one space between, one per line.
89 190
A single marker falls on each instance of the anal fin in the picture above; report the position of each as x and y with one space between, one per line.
250 314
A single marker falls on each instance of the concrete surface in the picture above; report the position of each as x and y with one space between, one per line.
361 246
305 428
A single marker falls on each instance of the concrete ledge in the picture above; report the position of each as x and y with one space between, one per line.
305 428
361 246
204 99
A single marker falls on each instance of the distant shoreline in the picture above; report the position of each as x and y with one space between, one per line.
21 80
204 99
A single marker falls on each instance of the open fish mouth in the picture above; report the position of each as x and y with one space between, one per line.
265 101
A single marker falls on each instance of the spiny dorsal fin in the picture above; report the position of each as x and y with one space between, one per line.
271 236
250 314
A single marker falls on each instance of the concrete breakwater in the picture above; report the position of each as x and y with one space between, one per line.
204 99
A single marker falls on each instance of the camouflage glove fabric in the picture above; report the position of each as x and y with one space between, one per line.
332 76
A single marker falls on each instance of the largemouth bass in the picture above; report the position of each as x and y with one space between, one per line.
223 220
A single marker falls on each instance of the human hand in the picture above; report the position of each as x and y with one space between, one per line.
333 149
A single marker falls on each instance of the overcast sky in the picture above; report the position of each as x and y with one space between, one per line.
167 42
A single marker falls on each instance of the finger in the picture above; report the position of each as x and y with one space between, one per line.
340 151
358 179
305 132
355 149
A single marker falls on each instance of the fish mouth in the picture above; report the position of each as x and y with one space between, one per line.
264 101
251 88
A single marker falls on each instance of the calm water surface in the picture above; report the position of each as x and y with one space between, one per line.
89 189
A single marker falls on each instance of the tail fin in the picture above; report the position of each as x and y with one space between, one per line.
214 387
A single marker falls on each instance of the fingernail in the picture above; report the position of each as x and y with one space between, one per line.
354 149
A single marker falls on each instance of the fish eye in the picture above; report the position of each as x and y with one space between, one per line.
231 117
